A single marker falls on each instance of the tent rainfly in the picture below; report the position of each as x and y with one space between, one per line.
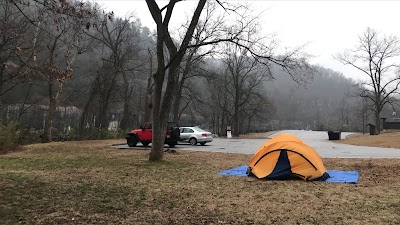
286 157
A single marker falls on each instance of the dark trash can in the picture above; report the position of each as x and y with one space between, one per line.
371 129
334 135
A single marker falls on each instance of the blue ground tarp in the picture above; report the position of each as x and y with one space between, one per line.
336 176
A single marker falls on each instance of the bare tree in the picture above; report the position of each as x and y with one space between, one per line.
57 59
192 63
375 57
236 95
245 75
121 37
61 23
216 105
191 69
162 102
259 109
149 89
293 61
14 47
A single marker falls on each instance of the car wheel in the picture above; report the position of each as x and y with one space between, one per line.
132 141
145 143
203 143
193 141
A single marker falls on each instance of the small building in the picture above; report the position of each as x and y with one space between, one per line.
391 122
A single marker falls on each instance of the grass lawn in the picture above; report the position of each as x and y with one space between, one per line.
92 183
385 140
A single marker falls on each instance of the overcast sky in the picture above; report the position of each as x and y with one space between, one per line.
330 27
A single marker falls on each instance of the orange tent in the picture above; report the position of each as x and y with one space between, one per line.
285 156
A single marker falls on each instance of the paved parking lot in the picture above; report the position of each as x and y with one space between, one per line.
316 139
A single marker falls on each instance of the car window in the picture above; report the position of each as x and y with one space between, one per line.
199 129
147 126
187 130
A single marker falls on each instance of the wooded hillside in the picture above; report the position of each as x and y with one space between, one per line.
91 77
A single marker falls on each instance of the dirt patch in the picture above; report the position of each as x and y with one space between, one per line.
92 183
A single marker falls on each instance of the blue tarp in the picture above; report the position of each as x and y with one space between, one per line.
339 176
336 176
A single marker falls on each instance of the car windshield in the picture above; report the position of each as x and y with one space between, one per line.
198 129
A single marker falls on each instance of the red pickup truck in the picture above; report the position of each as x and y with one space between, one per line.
145 135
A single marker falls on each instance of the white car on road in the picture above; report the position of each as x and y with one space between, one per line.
194 135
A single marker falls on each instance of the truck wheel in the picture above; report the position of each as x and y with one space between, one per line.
132 141
172 144
193 141
145 143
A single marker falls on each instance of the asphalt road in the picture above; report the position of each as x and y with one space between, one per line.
316 139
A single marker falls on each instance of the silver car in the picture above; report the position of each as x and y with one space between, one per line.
194 135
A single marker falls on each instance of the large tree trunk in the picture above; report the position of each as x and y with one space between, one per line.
157 146
377 122
378 109
148 105
177 100
161 111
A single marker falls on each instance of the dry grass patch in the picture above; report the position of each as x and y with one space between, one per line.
385 140
91 183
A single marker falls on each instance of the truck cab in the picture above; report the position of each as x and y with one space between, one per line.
145 135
